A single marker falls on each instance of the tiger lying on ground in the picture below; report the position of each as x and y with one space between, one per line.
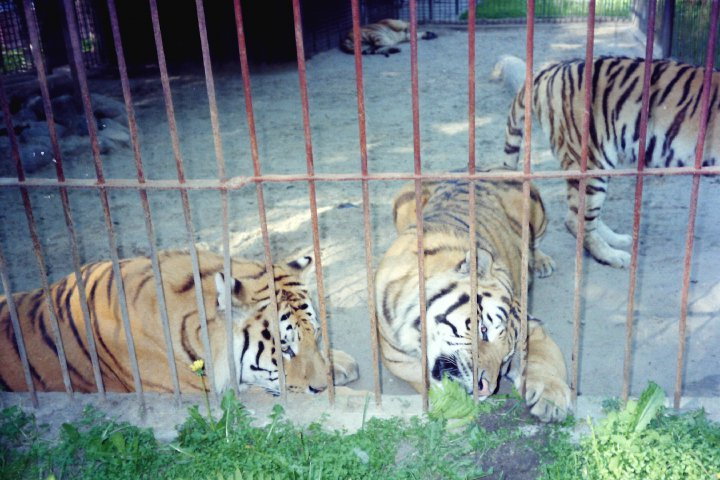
382 37
255 358
558 103
447 284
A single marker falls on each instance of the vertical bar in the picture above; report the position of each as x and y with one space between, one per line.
529 51
175 141
366 200
95 146
132 123
579 245
220 157
472 216
3 265
418 200
39 61
245 71
311 186
16 329
689 236
639 182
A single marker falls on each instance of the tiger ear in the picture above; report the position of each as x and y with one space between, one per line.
484 263
300 264
236 289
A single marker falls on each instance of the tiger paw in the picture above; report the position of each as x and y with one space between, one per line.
548 399
614 239
543 264
596 245
345 368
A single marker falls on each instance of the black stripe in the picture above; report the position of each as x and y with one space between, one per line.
440 294
686 88
672 83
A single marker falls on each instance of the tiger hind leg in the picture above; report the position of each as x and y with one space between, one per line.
595 242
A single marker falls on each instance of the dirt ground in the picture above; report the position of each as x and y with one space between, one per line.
443 116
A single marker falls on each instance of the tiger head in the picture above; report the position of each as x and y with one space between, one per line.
255 355
449 324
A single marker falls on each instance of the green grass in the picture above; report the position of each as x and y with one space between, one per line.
640 441
497 9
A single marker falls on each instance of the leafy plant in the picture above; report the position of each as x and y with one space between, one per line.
643 442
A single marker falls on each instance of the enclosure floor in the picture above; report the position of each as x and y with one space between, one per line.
443 113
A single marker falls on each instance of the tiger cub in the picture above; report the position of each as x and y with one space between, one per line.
558 103
255 357
447 286
382 37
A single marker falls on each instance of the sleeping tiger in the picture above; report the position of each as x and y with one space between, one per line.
558 103
382 37
255 358
447 284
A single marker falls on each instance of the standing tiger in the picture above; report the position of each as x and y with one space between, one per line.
255 359
382 37
558 103
447 287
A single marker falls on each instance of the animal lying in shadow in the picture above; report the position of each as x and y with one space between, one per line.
382 37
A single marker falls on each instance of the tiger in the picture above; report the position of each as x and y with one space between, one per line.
255 356
382 37
558 104
447 287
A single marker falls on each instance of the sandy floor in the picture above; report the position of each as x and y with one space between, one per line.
443 110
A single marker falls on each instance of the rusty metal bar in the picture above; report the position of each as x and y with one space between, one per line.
39 61
22 352
245 70
175 140
579 245
367 227
220 157
418 201
15 150
472 208
132 123
237 183
689 236
529 47
639 182
95 147
37 247
313 198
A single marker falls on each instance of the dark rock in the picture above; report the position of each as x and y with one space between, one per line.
107 107
34 131
113 135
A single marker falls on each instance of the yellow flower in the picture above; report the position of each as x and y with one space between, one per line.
198 366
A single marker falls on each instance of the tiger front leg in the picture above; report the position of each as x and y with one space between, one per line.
547 393
600 240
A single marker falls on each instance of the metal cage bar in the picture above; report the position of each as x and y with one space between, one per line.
639 182
220 158
95 146
149 228
689 236
418 200
313 197
527 136
175 140
367 228
250 115
579 245
472 208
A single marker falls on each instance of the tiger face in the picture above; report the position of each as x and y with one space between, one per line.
255 353
450 331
